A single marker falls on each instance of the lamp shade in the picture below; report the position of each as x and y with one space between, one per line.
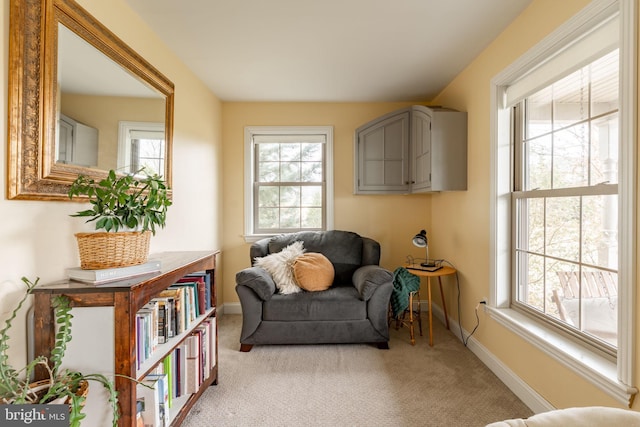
420 239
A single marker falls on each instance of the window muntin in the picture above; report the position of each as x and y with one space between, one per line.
565 203
141 146
147 152
289 180
289 185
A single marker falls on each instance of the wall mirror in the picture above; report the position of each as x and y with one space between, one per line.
80 102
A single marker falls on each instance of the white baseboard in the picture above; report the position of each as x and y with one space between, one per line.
231 308
529 396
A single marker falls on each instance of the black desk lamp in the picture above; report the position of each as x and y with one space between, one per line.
420 240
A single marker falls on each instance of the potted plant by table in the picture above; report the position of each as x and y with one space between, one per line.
134 203
62 386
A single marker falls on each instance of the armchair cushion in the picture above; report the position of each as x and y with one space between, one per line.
313 272
341 303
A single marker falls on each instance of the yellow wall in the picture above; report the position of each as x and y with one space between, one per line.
36 238
391 220
465 216
105 113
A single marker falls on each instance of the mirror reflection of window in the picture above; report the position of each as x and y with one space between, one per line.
141 147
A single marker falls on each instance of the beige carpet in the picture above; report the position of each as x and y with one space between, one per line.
353 385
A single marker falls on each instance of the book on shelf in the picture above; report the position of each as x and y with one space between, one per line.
212 340
167 367
191 366
202 276
148 394
152 392
166 307
203 295
139 410
176 295
107 275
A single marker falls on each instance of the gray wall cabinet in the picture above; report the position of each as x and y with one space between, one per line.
412 150
77 143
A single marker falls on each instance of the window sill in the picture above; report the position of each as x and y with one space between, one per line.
251 238
593 367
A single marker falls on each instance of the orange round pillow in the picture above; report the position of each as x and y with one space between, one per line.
313 272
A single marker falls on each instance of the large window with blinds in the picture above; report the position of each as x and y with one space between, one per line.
289 172
563 191
565 202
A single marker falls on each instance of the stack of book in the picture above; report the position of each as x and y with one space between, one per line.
110 275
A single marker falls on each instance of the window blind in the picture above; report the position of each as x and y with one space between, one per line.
259 139
594 44
145 134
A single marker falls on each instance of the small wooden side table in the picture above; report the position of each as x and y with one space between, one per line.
444 271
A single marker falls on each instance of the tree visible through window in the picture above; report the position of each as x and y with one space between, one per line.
141 146
566 202
289 183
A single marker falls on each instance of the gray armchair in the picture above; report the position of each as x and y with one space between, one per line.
353 310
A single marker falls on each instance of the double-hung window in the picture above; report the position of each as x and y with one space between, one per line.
141 147
288 179
565 202
563 196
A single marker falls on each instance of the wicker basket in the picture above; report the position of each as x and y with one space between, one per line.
112 250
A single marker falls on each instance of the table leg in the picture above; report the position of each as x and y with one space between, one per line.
430 311
413 339
44 331
444 305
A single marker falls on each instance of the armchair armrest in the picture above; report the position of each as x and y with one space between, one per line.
258 280
368 278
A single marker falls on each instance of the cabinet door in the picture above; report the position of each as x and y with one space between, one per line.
85 145
382 163
420 150
65 142
448 151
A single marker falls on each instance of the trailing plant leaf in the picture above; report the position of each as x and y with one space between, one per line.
9 377
63 316
15 387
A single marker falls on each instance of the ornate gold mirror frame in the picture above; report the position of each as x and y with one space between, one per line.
33 172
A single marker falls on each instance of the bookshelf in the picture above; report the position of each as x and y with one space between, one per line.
127 297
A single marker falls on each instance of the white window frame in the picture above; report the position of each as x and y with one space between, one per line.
614 376
249 159
124 139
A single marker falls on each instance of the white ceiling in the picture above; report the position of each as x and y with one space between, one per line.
327 50
83 69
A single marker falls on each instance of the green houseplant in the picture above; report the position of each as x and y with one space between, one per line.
136 202
62 385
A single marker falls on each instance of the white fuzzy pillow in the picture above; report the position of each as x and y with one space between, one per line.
280 266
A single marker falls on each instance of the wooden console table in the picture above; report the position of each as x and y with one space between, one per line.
127 297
